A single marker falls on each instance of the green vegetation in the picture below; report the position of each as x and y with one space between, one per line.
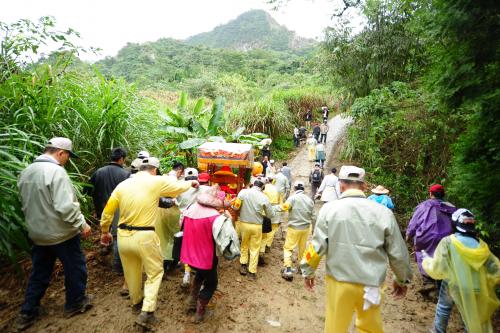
40 102
255 29
422 79
133 101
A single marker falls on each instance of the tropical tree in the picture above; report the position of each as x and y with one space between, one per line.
186 129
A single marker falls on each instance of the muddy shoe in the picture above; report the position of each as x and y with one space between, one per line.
243 269
252 276
262 261
24 321
146 320
267 250
201 311
287 274
136 308
81 308
124 293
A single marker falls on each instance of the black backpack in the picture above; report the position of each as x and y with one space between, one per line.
316 176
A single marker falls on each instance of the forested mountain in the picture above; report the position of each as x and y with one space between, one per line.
255 29
169 62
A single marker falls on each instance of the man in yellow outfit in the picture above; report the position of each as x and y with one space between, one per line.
253 204
267 239
138 244
358 237
300 218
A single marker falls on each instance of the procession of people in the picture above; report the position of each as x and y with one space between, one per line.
185 220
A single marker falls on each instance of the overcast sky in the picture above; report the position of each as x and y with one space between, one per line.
110 24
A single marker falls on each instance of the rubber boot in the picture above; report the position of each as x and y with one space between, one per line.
201 310
193 295
243 269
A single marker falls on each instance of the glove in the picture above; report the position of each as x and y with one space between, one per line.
166 202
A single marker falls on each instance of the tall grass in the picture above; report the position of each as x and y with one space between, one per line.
95 113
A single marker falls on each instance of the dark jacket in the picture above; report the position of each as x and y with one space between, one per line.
104 181
316 130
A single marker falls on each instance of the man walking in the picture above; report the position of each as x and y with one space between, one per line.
55 223
300 218
315 179
282 186
103 182
431 222
316 132
356 265
285 169
138 244
252 204
296 136
323 130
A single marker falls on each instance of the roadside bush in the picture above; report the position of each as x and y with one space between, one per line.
402 141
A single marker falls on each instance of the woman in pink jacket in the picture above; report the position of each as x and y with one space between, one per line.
198 248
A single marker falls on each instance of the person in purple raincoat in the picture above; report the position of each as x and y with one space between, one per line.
431 221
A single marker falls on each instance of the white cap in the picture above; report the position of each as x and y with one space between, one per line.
461 214
143 154
350 172
136 164
152 161
190 172
298 183
62 143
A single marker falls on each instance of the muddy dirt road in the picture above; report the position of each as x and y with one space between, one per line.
269 304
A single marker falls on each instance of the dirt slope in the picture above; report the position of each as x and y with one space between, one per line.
269 304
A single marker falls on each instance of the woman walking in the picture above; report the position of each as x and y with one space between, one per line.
198 249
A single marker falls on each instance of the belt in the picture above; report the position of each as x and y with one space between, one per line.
131 227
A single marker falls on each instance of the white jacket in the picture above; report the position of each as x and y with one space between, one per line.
225 237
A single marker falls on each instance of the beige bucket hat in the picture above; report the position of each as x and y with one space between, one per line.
380 190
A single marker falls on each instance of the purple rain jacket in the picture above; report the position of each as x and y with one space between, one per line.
430 222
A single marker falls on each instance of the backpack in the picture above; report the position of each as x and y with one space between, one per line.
316 176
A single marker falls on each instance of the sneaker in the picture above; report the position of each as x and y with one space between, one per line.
146 320
252 276
287 274
81 308
24 321
243 269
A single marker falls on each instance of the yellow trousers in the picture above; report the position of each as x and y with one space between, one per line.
251 237
167 224
237 228
281 198
342 300
138 250
294 238
267 239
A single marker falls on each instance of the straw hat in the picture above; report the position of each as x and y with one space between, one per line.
380 190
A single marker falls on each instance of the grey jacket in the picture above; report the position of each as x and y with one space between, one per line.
225 237
254 204
49 203
359 238
281 182
300 210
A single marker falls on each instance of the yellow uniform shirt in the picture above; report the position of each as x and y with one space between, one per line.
138 198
